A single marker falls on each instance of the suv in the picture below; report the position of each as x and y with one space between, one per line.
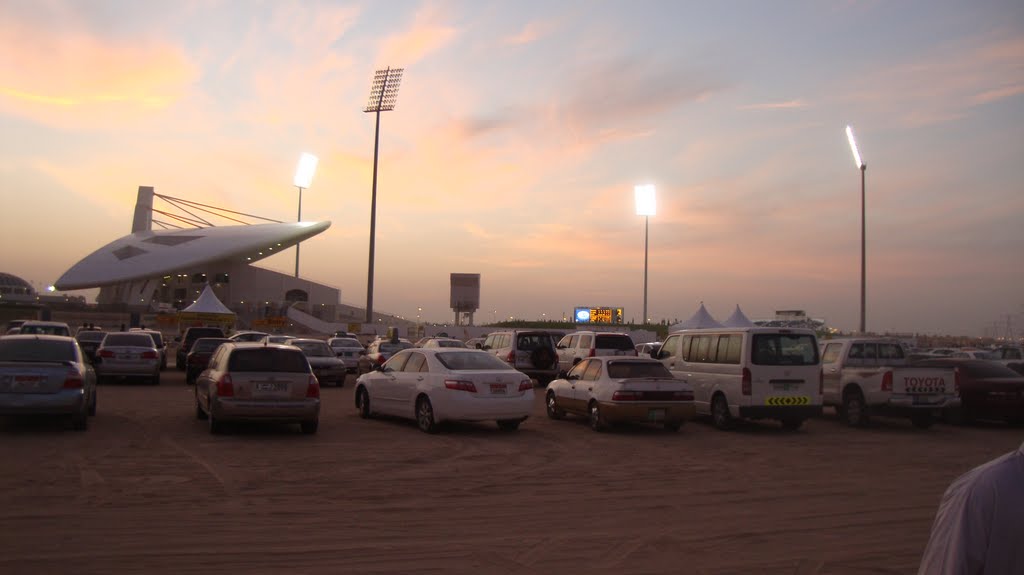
188 338
575 347
531 351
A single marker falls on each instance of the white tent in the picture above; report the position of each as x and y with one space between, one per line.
700 319
738 319
206 311
207 302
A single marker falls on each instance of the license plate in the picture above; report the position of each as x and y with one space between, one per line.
498 388
655 414
925 400
267 386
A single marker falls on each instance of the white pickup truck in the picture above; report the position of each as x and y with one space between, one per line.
862 376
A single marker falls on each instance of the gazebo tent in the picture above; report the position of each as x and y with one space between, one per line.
738 319
206 311
700 319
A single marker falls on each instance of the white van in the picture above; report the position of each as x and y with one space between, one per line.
748 372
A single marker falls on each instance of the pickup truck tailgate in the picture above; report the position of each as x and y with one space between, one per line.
924 381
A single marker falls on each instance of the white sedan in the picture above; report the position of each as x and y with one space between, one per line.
446 384
628 389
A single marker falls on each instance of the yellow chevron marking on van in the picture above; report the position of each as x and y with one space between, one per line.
788 400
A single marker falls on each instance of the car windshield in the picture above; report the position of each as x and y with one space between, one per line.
158 338
785 349
37 350
637 369
314 348
389 347
619 342
128 340
471 360
44 329
270 359
91 336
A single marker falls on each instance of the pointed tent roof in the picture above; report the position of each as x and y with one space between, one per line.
738 319
207 302
701 318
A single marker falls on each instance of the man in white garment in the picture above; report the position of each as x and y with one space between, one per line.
979 528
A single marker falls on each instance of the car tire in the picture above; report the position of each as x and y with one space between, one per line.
363 403
551 406
596 420
309 427
720 415
922 420
425 415
854 411
509 424
673 426
792 424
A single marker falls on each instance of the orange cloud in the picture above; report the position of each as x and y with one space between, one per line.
425 36
787 105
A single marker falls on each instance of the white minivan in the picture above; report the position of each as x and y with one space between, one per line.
748 372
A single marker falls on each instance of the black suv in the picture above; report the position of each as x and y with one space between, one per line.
190 336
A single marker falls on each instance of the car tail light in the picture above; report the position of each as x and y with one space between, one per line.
105 353
745 383
525 385
149 355
593 352
313 388
956 380
623 395
511 358
380 359
887 381
225 388
460 385
73 380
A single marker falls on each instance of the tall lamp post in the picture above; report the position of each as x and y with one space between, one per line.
383 95
863 265
303 177
645 206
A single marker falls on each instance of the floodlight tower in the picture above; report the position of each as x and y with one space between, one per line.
645 206
863 265
383 95
303 178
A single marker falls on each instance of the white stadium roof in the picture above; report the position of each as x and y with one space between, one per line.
147 254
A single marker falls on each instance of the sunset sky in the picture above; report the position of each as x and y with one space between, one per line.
520 131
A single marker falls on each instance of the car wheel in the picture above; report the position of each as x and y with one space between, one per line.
363 403
597 422
552 407
509 424
792 424
720 413
922 420
854 412
425 415
673 426
310 427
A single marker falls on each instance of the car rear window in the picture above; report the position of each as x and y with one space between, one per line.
613 341
128 340
45 329
394 347
784 349
314 348
471 360
346 343
268 359
36 350
194 333
531 341
632 369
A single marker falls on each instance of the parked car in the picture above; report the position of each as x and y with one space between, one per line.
46 327
380 350
89 342
240 336
531 351
326 365
647 349
348 350
158 339
972 354
475 342
432 386
46 375
13 326
276 338
197 359
575 347
189 337
608 390
252 381
436 342
127 354
988 390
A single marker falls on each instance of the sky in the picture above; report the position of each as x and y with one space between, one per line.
520 131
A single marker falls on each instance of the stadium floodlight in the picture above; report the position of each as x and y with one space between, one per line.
646 207
303 178
863 240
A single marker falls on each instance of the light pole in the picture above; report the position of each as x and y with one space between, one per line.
383 95
303 177
645 206
863 244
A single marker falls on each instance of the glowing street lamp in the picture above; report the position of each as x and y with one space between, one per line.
303 178
863 261
646 207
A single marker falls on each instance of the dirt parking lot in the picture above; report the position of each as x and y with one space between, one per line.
147 489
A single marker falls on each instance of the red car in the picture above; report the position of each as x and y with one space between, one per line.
988 390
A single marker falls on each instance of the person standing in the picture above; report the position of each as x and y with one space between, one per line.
979 527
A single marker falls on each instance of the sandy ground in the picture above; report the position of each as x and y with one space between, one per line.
147 489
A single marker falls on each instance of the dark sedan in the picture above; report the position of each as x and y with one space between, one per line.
327 367
89 341
988 390
202 351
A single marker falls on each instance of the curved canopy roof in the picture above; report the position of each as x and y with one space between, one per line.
147 254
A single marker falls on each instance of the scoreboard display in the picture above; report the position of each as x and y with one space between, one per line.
598 315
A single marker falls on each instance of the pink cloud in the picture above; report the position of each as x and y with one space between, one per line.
427 34
787 105
530 33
